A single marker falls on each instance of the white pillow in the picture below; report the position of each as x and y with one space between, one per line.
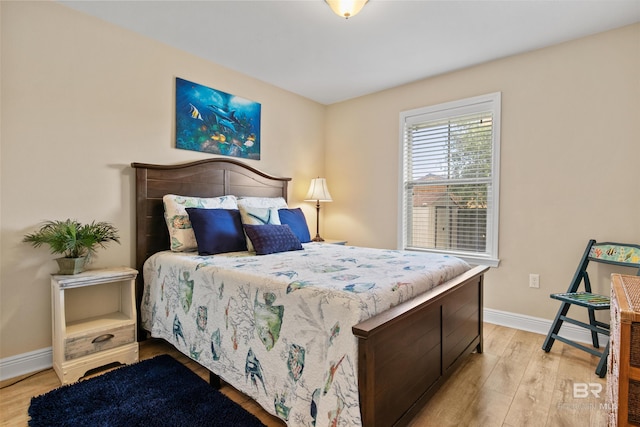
180 232
258 216
262 202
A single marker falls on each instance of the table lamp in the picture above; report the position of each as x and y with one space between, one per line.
318 192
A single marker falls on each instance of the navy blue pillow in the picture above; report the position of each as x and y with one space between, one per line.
295 219
217 230
272 238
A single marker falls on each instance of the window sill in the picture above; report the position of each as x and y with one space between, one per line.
471 259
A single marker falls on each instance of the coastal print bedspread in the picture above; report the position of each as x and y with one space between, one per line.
278 327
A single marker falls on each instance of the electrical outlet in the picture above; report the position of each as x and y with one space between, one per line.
534 280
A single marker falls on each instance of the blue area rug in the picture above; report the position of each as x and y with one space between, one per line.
155 392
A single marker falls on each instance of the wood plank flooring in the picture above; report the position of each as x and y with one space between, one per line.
514 383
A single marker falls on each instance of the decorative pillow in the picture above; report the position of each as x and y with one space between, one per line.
272 238
217 230
258 216
295 219
175 214
262 202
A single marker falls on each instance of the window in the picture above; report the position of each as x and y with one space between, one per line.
450 176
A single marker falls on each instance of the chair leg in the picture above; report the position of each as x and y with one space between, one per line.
592 322
601 370
555 327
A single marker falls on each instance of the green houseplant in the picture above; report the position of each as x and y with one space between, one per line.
76 242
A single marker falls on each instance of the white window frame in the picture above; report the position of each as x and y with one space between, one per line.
483 103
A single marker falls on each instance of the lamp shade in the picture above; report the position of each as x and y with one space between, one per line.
318 191
346 8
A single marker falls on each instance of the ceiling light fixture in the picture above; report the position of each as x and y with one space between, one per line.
346 8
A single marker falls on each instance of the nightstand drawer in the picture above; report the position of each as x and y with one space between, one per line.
85 344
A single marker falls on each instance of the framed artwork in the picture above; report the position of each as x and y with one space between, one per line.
212 121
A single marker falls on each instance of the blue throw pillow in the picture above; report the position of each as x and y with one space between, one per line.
217 230
295 219
272 238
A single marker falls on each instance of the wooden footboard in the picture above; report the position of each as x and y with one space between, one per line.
407 352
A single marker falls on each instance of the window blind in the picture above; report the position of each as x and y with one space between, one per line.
449 179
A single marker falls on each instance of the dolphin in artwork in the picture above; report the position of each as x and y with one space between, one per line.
229 116
227 124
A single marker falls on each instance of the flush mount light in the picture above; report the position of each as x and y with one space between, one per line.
346 8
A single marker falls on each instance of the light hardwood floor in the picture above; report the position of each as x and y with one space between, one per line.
513 383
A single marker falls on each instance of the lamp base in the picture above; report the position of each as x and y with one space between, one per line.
317 239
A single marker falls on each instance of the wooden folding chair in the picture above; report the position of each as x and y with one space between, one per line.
622 254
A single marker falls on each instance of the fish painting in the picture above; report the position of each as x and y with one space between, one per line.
203 264
295 361
253 369
194 353
290 274
185 291
358 288
335 331
282 410
398 262
206 118
367 266
298 284
321 269
193 111
251 140
180 222
216 342
332 372
220 290
265 216
345 277
177 330
268 319
315 397
202 317
399 285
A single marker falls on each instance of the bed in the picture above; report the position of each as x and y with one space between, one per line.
374 365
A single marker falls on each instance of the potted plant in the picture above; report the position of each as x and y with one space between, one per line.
76 242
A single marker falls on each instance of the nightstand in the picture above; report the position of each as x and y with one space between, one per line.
336 242
94 321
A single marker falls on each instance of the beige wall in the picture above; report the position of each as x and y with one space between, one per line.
81 100
570 166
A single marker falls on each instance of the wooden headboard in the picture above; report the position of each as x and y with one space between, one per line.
204 178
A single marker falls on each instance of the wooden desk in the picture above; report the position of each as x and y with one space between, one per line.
623 380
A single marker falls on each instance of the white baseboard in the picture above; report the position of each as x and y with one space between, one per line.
26 363
37 360
538 325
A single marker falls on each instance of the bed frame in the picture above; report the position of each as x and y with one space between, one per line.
405 353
